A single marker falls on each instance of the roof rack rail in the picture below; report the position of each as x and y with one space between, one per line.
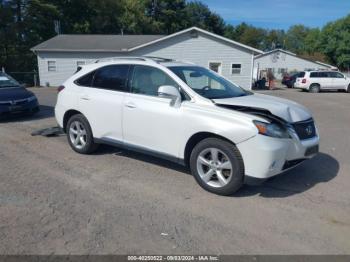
107 59
139 58
160 59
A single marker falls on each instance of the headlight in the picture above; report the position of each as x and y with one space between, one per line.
271 129
32 98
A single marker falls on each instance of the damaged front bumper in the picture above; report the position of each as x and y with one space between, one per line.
265 157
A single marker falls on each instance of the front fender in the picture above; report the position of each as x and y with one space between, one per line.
233 126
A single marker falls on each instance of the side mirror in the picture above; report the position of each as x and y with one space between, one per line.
170 92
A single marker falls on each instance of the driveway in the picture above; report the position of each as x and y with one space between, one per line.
55 201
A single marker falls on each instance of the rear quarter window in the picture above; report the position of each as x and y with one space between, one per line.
324 74
112 77
85 80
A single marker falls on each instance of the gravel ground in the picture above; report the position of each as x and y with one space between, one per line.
55 201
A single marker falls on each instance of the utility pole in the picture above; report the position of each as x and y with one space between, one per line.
154 8
57 24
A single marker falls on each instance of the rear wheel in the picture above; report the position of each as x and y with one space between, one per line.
217 166
79 135
314 88
348 89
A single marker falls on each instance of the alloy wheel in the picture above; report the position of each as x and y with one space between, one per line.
214 167
77 135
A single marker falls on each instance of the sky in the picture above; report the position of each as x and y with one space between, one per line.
280 14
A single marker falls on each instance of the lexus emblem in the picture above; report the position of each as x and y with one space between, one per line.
308 130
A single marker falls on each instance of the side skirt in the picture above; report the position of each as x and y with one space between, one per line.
139 149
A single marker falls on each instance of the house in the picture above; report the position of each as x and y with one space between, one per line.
280 61
59 57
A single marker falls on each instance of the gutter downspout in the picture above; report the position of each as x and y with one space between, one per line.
251 72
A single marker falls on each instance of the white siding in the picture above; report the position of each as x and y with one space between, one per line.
66 65
200 50
284 60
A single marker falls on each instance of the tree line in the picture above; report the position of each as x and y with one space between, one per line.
26 23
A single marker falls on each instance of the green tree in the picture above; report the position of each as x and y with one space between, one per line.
295 38
168 16
274 39
8 34
312 41
246 34
134 20
335 42
199 14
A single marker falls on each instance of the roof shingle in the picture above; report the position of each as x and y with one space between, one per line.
103 43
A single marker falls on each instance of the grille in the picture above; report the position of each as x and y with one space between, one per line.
311 150
292 163
20 102
305 129
15 102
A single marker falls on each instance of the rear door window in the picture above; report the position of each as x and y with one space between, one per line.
324 74
314 74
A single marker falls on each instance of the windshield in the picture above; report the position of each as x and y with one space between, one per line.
7 81
206 83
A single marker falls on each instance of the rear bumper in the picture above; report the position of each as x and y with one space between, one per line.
59 115
301 86
265 157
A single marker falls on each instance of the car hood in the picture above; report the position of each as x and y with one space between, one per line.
14 93
287 110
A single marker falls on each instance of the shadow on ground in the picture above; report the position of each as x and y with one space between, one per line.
106 149
320 169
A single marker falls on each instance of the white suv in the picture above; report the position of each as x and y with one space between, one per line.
315 81
188 114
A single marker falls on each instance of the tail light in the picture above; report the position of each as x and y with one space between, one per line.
60 88
303 81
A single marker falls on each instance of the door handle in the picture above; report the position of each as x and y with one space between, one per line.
85 97
130 105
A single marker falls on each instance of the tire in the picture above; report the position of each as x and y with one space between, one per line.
213 174
79 135
348 89
314 88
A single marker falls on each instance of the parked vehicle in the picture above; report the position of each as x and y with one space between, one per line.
15 99
289 80
315 81
188 114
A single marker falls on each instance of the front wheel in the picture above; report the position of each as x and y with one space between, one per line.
79 135
217 166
